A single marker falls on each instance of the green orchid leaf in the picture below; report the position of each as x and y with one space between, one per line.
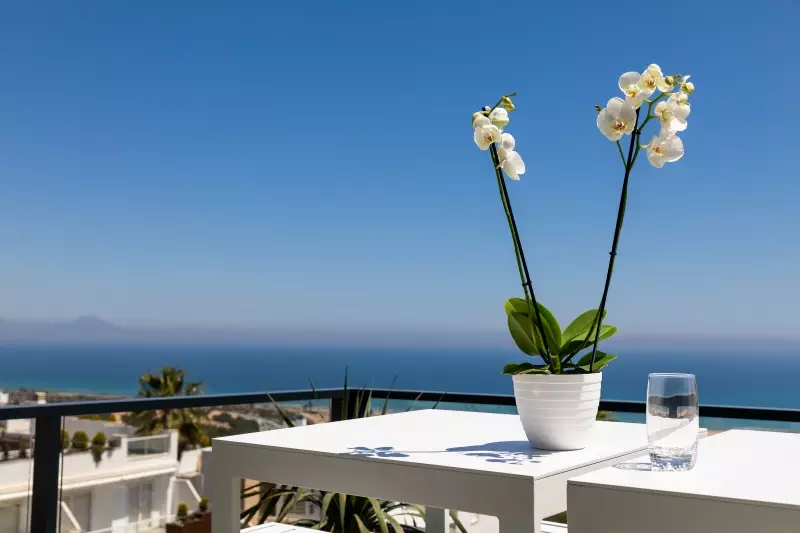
525 368
520 328
516 305
579 343
551 327
580 326
601 360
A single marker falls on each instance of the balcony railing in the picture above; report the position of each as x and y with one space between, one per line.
148 445
47 452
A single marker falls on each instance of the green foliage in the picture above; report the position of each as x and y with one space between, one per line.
170 382
183 512
99 439
23 449
64 439
607 416
340 513
203 506
4 447
80 441
563 345
205 441
236 425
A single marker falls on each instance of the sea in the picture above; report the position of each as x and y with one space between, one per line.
760 374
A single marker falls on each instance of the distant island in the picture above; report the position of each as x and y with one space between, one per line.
90 329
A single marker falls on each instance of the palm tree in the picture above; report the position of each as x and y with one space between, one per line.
170 381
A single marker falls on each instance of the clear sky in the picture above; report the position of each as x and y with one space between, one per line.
311 165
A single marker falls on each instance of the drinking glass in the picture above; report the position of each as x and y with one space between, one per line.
672 421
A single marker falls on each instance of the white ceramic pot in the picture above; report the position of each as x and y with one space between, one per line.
558 411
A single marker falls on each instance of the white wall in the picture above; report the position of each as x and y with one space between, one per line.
206 464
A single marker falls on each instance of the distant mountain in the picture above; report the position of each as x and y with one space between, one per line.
94 330
85 328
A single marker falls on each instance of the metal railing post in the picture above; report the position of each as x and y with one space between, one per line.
46 465
338 406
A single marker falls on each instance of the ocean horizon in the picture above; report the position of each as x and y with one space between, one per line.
756 374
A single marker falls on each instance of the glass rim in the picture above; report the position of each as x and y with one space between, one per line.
670 375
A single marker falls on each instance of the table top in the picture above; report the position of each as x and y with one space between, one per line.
737 465
447 440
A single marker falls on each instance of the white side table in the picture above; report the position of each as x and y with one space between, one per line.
744 482
477 462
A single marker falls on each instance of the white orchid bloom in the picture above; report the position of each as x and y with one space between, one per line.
617 119
499 117
629 84
510 161
654 70
679 103
507 142
665 84
662 83
670 124
673 113
649 79
486 133
664 149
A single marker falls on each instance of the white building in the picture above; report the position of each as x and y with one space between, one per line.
134 488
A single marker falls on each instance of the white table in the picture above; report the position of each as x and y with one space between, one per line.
744 482
477 462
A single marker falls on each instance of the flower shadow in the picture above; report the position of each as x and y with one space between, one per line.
383 451
515 452
508 452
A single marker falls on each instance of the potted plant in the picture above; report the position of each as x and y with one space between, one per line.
197 522
98 446
203 514
80 441
558 395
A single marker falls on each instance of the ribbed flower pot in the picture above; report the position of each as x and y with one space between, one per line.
558 411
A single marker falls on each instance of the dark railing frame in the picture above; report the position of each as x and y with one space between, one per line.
47 451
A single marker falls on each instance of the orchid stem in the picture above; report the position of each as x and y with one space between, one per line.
623 200
525 276
495 106
621 155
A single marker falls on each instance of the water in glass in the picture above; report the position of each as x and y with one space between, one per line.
672 421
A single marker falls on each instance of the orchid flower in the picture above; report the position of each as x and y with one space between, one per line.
486 133
617 119
664 149
510 161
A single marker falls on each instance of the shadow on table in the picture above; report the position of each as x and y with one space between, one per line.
509 452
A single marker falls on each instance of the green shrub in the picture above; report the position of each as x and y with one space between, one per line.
80 441
23 449
205 442
99 440
5 448
203 505
64 439
183 512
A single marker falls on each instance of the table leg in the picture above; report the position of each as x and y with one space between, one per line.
523 523
226 502
435 520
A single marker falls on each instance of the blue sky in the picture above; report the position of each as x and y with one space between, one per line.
310 165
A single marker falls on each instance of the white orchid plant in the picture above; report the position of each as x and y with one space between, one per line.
532 326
